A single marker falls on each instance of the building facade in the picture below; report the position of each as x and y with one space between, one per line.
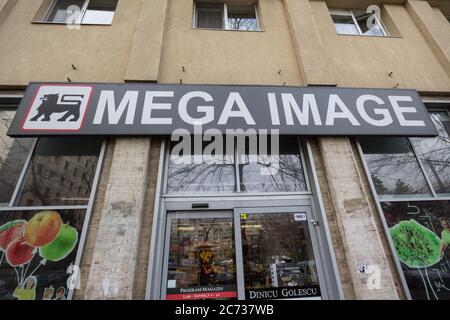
116 216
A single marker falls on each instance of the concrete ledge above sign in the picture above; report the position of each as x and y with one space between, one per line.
50 109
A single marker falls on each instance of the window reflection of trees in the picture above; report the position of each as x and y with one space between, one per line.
201 177
399 173
435 154
289 178
215 177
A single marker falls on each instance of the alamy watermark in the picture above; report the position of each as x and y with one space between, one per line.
214 147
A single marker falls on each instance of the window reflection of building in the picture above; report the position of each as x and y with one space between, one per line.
60 172
13 153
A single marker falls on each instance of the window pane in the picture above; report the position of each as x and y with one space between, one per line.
435 153
277 253
289 177
420 232
344 24
241 17
13 153
367 23
394 169
61 172
209 15
60 12
202 259
100 12
206 176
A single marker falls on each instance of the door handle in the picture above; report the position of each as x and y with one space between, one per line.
314 222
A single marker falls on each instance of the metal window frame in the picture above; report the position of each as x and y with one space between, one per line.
384 224
80 18
88 214
379 199
225 17
88 207
332 276
350 12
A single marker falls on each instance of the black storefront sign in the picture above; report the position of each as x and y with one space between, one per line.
283 293
50 109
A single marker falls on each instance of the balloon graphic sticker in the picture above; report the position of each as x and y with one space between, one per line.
42 228
11 231
62 246
19 253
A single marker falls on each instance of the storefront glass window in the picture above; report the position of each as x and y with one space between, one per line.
435 153
394 168
61 172
201 259
419 230
287 174
280 172
277 256
13 154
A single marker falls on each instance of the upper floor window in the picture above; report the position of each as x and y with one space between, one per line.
228 16
81 11
357 22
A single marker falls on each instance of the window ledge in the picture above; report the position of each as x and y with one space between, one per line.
71 24
231 30
366 36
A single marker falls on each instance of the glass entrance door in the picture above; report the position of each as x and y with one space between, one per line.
277 259
200 256
253 253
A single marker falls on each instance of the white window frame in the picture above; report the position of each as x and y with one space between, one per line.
349 12
80 17
225 17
